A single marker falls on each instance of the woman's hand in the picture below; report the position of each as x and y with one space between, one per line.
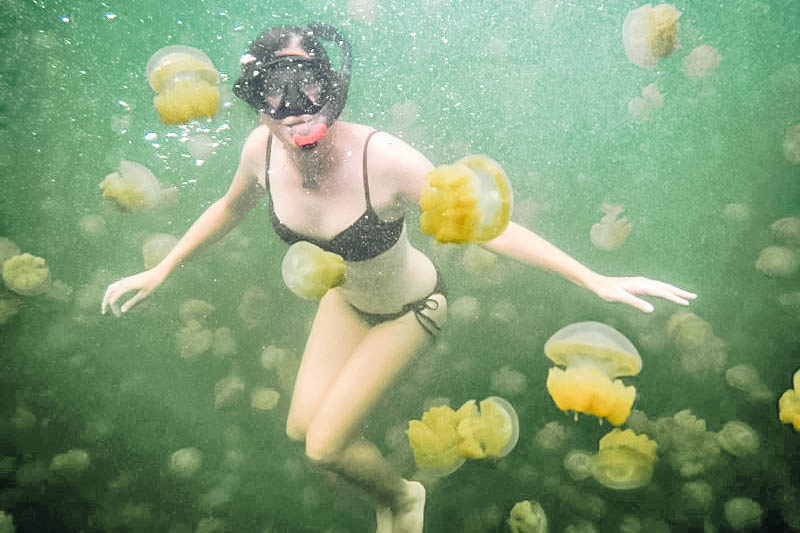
143 282
624 289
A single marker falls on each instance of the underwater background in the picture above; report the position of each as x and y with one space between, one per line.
543 88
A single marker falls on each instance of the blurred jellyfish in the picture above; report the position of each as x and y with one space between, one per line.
578 464
743 514
688 446
92 225
59 291
583 502
787 230
527 517
791 144
264 398
7 249
701 350
193 340
8 309
738 439
610 233
630 524
701 61
736 212
228 391
404 115
6 523
210 525
593 354
195 310
224 343
26 274
480 262
464 309
552 436
156 248
503 312
697 496
185 81
650 33
253 309
625 460
133 187
777 262
508 381
184 463
272 356
200 146
641 108
581 526
362 10
542 13
746 379
70 464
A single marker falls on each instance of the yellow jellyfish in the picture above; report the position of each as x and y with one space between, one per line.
625 460
133 188
492 434
650 33
435 438
309 271
527 517
701 61
185 81
26 274
468 201
789 404
594 355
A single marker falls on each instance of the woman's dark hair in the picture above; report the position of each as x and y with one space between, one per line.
250 85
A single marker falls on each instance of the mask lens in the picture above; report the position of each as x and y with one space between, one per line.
292 87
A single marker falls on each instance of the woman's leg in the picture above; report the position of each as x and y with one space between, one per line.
365 376
335 334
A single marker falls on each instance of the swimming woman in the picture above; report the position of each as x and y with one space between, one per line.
344 187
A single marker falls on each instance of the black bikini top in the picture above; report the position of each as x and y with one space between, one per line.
367 237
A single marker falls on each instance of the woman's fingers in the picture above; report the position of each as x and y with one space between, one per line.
139 296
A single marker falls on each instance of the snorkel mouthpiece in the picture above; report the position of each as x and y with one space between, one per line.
315 133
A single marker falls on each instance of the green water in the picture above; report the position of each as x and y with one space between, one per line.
543 88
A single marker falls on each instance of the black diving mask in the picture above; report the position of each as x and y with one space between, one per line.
295 85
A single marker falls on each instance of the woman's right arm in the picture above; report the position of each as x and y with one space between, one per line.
216 221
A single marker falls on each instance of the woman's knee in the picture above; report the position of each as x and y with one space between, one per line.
296 431
320 448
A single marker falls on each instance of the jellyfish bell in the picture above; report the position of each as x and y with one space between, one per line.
527 517
309 271
184 463
468 201
185 82
650 33
625 460
743 513
593 354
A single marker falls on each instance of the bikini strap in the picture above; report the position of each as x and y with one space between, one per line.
364 171
266 164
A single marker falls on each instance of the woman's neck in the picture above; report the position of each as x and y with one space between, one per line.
314 164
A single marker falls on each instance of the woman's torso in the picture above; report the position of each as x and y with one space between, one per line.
335 207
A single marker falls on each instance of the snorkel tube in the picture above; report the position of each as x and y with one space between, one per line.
339 84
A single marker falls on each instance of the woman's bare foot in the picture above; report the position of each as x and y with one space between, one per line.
383 514
409 511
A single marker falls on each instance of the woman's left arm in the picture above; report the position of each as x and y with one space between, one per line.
411 168
526 246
